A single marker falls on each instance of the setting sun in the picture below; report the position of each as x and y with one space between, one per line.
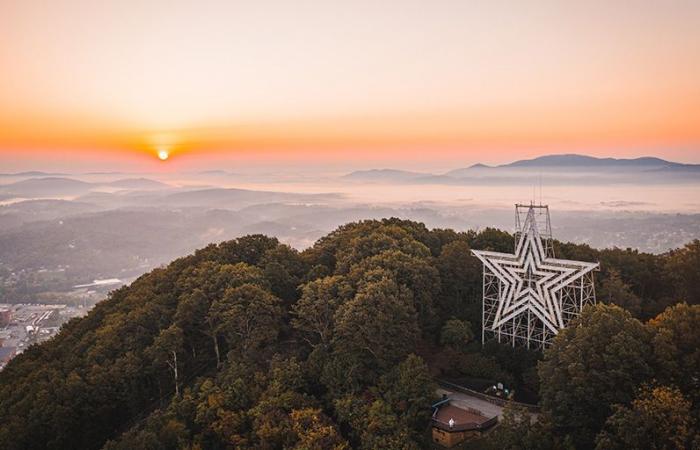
163 155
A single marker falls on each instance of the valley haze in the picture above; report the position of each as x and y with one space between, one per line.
64 223
326 225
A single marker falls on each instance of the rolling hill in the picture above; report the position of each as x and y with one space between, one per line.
569 168
251 344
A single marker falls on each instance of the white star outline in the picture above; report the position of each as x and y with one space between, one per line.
516 271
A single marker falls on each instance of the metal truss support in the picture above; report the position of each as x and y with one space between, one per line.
528 296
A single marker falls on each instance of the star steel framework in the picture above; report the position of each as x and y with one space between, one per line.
528 296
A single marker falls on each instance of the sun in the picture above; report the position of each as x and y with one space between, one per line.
163 155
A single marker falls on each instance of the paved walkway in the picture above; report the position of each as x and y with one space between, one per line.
487 408
459 399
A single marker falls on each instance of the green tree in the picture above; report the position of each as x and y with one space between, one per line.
385 237
519 430
248 317
192 317
213 278
645 274
383 430
493 239
658 419
460 290
409 389
141 439
351 410
377 328
272 422
598 361
415 273
614 291
248 249
676 344
165 349
284 268
684 268
314 313
200 286
315 431
456 334
373 425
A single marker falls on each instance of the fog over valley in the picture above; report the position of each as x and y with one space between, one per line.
59 230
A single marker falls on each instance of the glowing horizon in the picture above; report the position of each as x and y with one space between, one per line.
363 82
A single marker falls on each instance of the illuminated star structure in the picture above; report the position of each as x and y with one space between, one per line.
530 295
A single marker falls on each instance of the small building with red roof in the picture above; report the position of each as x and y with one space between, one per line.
453 424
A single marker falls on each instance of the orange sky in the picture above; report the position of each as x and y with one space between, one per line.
409 84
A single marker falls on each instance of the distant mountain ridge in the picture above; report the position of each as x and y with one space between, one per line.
581 161
45 186
570 163
587 161
33 173
382 174
136 183
62 186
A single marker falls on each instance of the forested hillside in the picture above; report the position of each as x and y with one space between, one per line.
251 344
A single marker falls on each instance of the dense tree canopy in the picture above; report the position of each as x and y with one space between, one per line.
659 418
593 365
676 346
251 344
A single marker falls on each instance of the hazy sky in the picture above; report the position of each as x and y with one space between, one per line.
402 83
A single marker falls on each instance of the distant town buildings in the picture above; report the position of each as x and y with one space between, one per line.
5 316
100 283
22 325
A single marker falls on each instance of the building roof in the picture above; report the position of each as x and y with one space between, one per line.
462 419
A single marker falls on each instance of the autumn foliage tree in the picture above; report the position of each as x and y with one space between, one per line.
252 344
595 363
659 418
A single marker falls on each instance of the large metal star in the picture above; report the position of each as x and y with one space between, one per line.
530 280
